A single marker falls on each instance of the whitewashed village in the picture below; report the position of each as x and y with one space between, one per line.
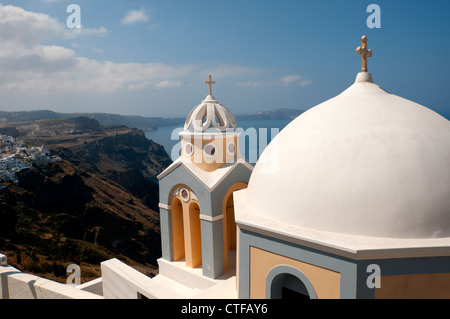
16 156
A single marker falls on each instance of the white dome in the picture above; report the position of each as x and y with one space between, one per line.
365 163
210 115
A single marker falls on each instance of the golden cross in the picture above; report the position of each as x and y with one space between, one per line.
210 83
362 50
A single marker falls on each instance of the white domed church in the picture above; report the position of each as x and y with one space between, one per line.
363 183
356 204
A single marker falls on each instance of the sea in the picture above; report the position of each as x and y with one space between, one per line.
255 137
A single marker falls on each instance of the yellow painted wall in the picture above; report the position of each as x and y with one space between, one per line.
177 229
207 163
326 282
194 255
420 286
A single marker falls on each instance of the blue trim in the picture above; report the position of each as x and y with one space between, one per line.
346 267
272 282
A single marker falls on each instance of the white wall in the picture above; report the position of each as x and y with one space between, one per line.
18 285
123 282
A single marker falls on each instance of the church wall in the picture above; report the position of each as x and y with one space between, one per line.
210 200
421 286
341 271
407 278
181 176
221 156
326 283
167 185
212 242
165 228
240 173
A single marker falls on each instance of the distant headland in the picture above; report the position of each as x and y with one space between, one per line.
137 121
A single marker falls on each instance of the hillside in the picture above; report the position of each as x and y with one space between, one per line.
100 202
277 114
135 121
104 119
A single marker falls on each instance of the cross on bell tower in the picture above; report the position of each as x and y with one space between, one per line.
210 83
364 52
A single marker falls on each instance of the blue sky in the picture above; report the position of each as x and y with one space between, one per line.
151 58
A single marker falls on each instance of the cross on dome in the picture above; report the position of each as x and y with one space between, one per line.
210 83
210 115
364 52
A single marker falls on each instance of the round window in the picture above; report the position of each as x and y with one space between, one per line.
189 149
231 148
209 150
184 193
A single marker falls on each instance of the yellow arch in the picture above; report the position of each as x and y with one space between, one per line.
229 223
186 228
193 236
177 230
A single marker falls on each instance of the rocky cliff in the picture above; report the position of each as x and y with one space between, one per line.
100 202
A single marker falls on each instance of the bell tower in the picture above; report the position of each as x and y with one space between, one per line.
209 139
198 227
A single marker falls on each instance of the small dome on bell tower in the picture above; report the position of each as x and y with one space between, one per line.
210 139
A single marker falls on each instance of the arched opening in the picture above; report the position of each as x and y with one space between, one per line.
285 282
229 225
186 239
194 242
177 230
287 286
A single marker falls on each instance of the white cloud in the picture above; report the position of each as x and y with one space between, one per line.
28 65
295 80
168 84
284 81
288 79
31 68
98 50
254 84
305 82
134 16
26 28
224 71
70 33
88 75
144 85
